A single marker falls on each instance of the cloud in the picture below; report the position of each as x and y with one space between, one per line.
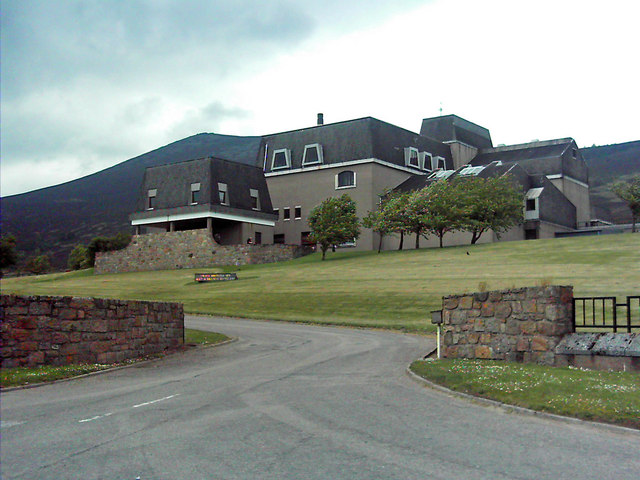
89 83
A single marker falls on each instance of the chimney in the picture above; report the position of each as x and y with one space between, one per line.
320 119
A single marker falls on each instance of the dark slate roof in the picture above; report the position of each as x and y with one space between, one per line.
414 182
450 128
551 157
173 185
357 139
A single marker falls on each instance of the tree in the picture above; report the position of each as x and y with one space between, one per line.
629 191
333 222
396 212
8 254
437 209
494 203
79 258
39 264
384 220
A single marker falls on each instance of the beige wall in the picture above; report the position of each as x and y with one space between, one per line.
462 154
578 195
309 188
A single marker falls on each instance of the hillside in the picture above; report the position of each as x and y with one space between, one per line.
55 219
607 164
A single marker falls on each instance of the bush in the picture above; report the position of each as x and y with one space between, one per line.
38 265
107 244
79 258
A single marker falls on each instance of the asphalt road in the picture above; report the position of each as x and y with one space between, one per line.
290 402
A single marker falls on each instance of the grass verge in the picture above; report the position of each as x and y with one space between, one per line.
19 376
610 397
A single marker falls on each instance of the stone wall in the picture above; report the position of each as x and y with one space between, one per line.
189 249
524 324
42 330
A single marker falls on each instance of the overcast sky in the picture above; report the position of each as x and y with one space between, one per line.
88 84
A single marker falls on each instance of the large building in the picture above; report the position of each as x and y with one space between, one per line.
296 170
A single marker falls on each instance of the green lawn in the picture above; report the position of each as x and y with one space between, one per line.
612 397
394 290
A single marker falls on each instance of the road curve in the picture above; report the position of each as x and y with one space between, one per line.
289 402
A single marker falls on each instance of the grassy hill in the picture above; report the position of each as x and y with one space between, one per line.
389 290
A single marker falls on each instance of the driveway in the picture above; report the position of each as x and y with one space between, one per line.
289 402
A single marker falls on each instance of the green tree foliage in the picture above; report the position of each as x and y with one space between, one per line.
8 254
387 219
629 191
490 204
79 258
437 209
333 222
39 264
470 204
107 244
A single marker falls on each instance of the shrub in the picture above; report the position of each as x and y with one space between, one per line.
107 244
79 258
38 265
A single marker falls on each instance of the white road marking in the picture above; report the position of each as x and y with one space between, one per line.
97 417
155 401
9 423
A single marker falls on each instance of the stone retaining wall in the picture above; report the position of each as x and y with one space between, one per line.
43 330
524 324
189 249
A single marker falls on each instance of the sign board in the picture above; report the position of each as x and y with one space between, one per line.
215 277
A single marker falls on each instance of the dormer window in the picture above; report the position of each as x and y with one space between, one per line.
438 162
312 154
281 159
426 161
411 157
223 194
151 199
255 199
195 193
346 179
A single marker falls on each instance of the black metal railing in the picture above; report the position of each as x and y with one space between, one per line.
606 313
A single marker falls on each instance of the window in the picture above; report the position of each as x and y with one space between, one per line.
258 238
278 238
286 213
195 193
531 204
439 163
297 213
281 159
312 154
426 161
223 194
346 179
411 157
276 212
255 199
151 199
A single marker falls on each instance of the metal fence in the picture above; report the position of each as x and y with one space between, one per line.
597 313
